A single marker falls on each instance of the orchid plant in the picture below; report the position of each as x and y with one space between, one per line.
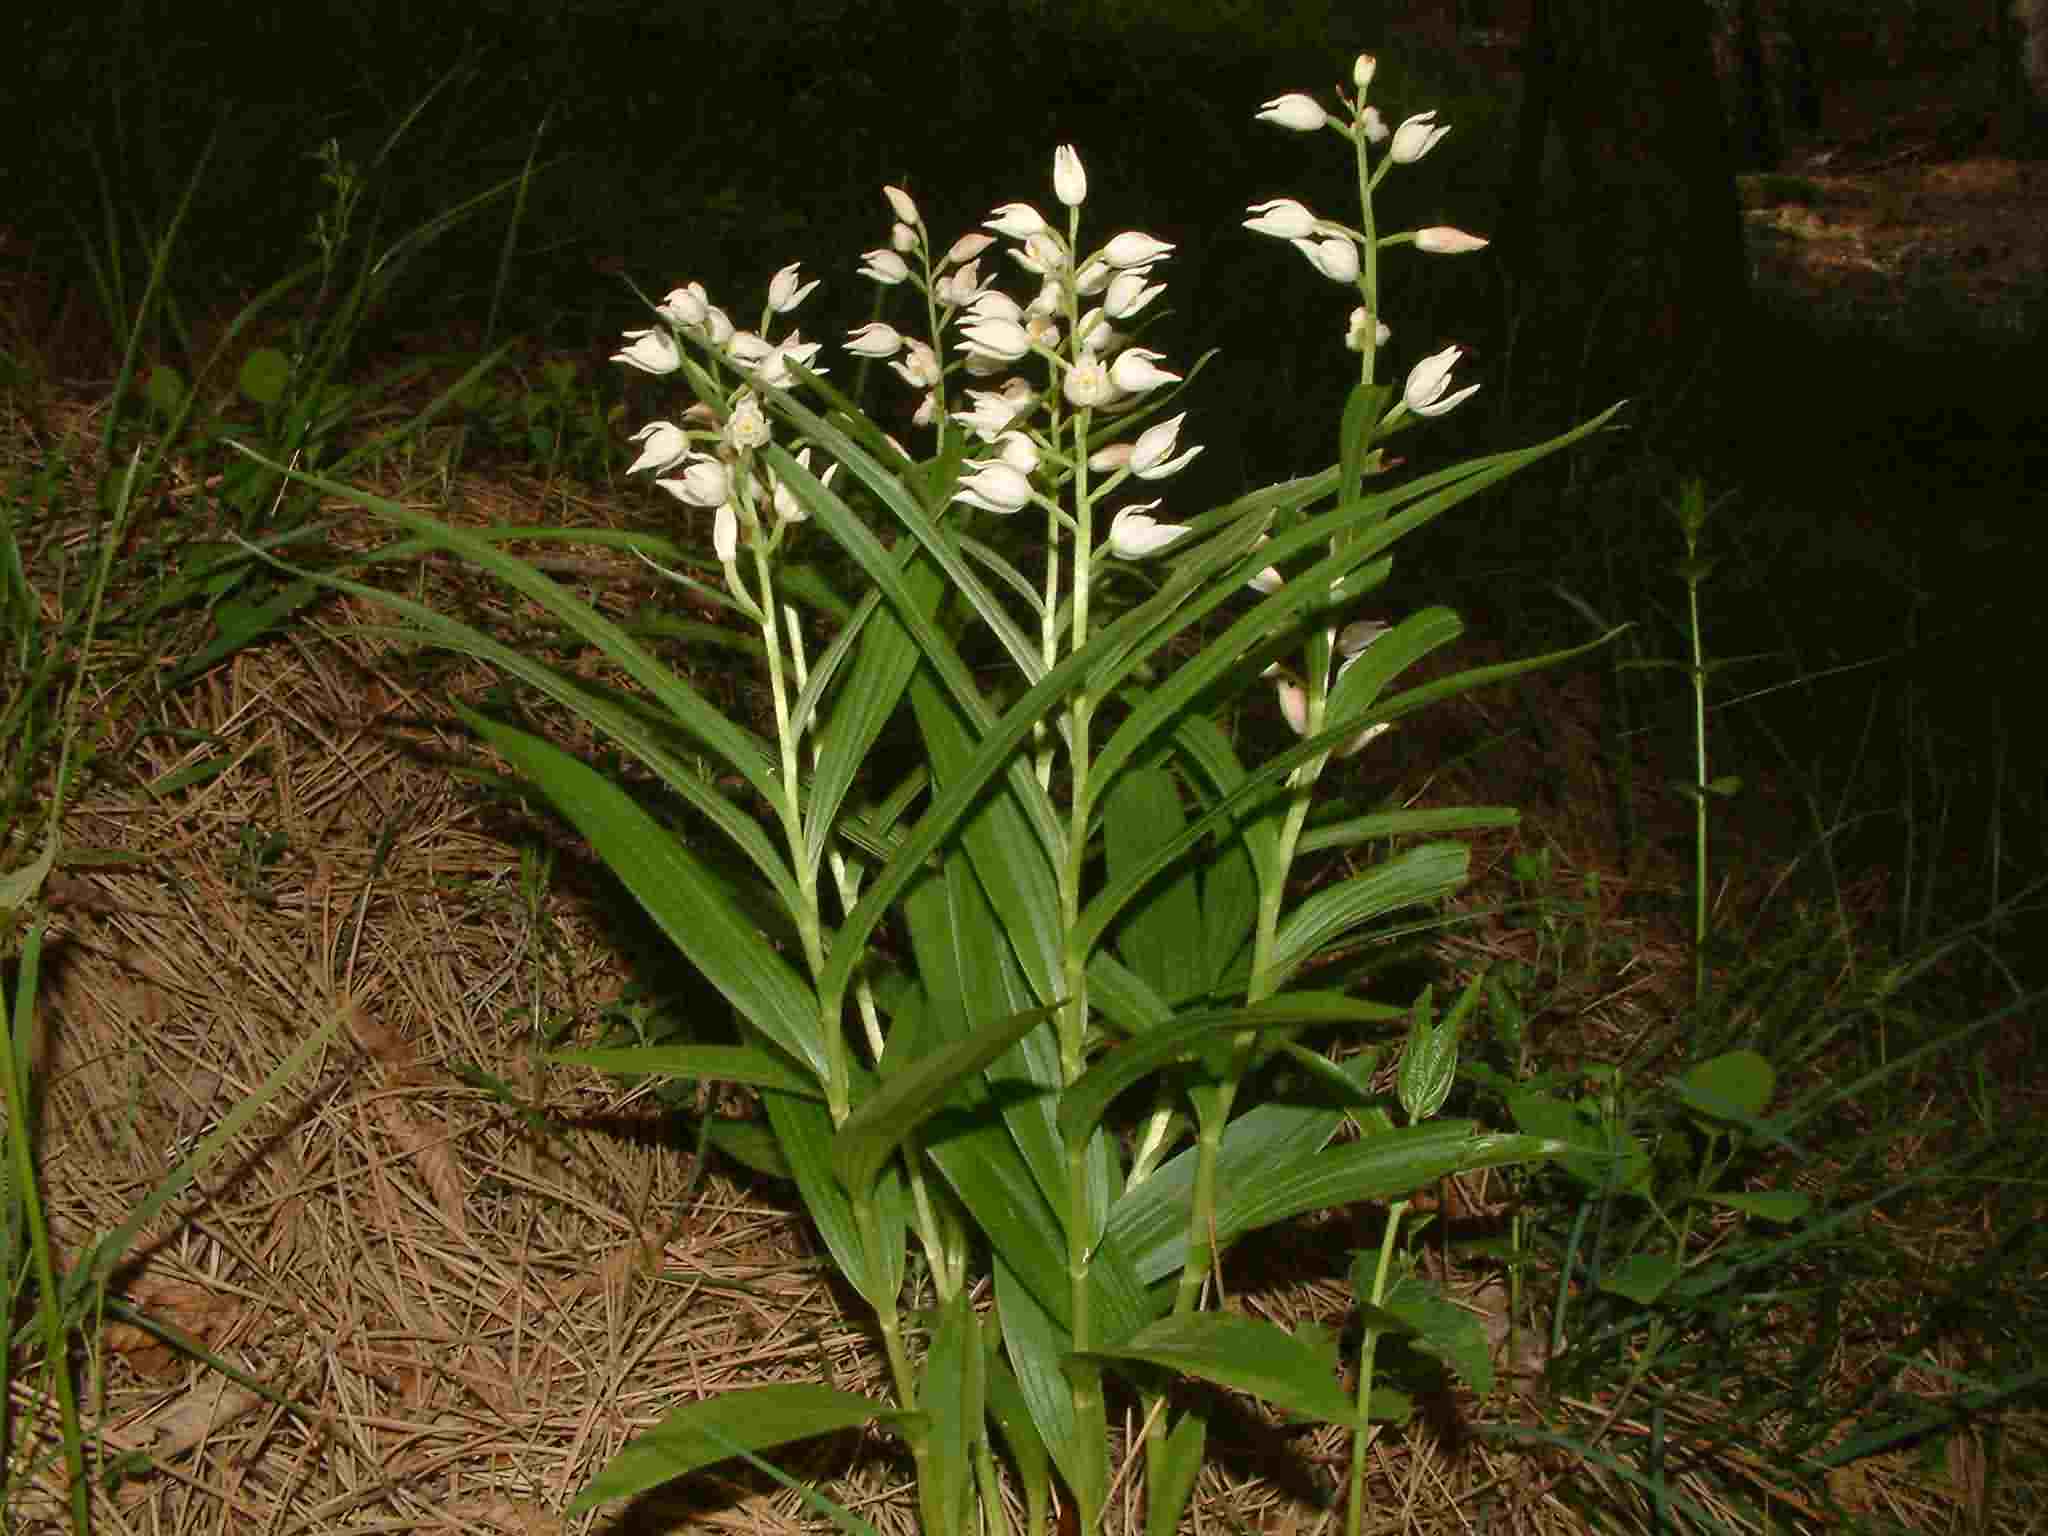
1051 1009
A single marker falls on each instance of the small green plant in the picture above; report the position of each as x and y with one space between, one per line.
1049 1080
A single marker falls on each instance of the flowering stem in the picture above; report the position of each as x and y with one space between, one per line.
1369 257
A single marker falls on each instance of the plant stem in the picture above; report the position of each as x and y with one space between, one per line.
1362 1434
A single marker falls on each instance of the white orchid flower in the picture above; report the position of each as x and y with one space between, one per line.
787 289
1283 218
1416 137
747 426
1088 383
884 266
1134 533
1129 293
650 351
1135 248
663 446
994 487
901 204
1020 221
875 340
1334 256
685 307
1427 380
1295 111
704 482
1134 372
1152 455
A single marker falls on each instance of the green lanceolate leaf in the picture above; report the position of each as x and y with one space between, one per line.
1246 1354
1778 1205
697 1063
1641 1277
676 890
950 1397
1161 934
1152 1218
1170 1472
910 1096
1377 1168
803 1127
1418 876
703 1433
1183 1039
1391 824
1429 1062
881 671
1077 1439
1012 1416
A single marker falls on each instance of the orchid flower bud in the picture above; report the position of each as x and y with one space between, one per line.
1281 217
1152 455
904 208
1133 371
994 487
994 304
650 351
1069 180
1334 256
664 445
1427 380
1362 69
1134 248
903 239
787 289
988 417
725 533
1295 111
966 249
1416 137
884 266
875 340
1293 706
1375 126
1107 461
1133 534
1442 240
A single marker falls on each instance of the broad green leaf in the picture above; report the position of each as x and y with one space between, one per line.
1037 1344
266 373
18 887
1170 1471
703 1433
1160 936
676 890
1121 996
1418 876
1734 1086
698 1063
1778 1205
1599 1157
1641 1277
1152 1219
910 1096
1246 1354
1376 1168
1440 1327
803 1127
1429 1062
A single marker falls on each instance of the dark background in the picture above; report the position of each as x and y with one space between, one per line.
1598 141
